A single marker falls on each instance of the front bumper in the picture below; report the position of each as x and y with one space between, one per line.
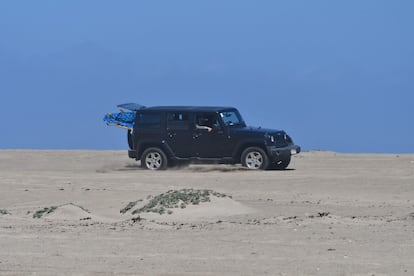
278 154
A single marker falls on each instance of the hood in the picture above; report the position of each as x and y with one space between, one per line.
259 131
269 136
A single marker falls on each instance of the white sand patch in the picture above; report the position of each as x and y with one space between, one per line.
72 212
68 212
368 229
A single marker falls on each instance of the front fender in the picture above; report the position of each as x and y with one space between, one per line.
241 146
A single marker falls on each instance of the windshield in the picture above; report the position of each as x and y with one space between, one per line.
232 118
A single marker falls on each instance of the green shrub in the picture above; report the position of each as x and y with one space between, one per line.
46 210
4 212
172 199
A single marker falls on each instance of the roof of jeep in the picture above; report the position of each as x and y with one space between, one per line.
188 108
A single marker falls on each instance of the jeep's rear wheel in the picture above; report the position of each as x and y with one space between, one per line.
154 159
255 158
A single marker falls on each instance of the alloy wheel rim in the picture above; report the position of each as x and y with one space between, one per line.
153 161
254 160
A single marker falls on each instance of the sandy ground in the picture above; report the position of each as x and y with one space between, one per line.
329 214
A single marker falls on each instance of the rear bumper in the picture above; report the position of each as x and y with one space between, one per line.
278 154
132 154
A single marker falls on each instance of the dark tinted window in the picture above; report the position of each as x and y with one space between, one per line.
206 119
178 120
149 120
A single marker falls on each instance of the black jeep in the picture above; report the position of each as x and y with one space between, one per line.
172 135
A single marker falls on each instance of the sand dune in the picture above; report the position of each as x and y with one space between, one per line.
61 212
217 208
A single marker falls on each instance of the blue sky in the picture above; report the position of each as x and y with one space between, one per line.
336 75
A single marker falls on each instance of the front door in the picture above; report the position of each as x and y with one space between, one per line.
211 141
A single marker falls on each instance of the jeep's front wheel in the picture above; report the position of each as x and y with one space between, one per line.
154 159
281 164
255 158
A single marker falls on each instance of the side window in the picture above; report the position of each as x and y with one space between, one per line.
178 121
149 120
206 119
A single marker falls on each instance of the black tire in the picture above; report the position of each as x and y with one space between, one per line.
255 158
281 164
154 159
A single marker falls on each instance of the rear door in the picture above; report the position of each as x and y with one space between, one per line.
179 134
149 127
